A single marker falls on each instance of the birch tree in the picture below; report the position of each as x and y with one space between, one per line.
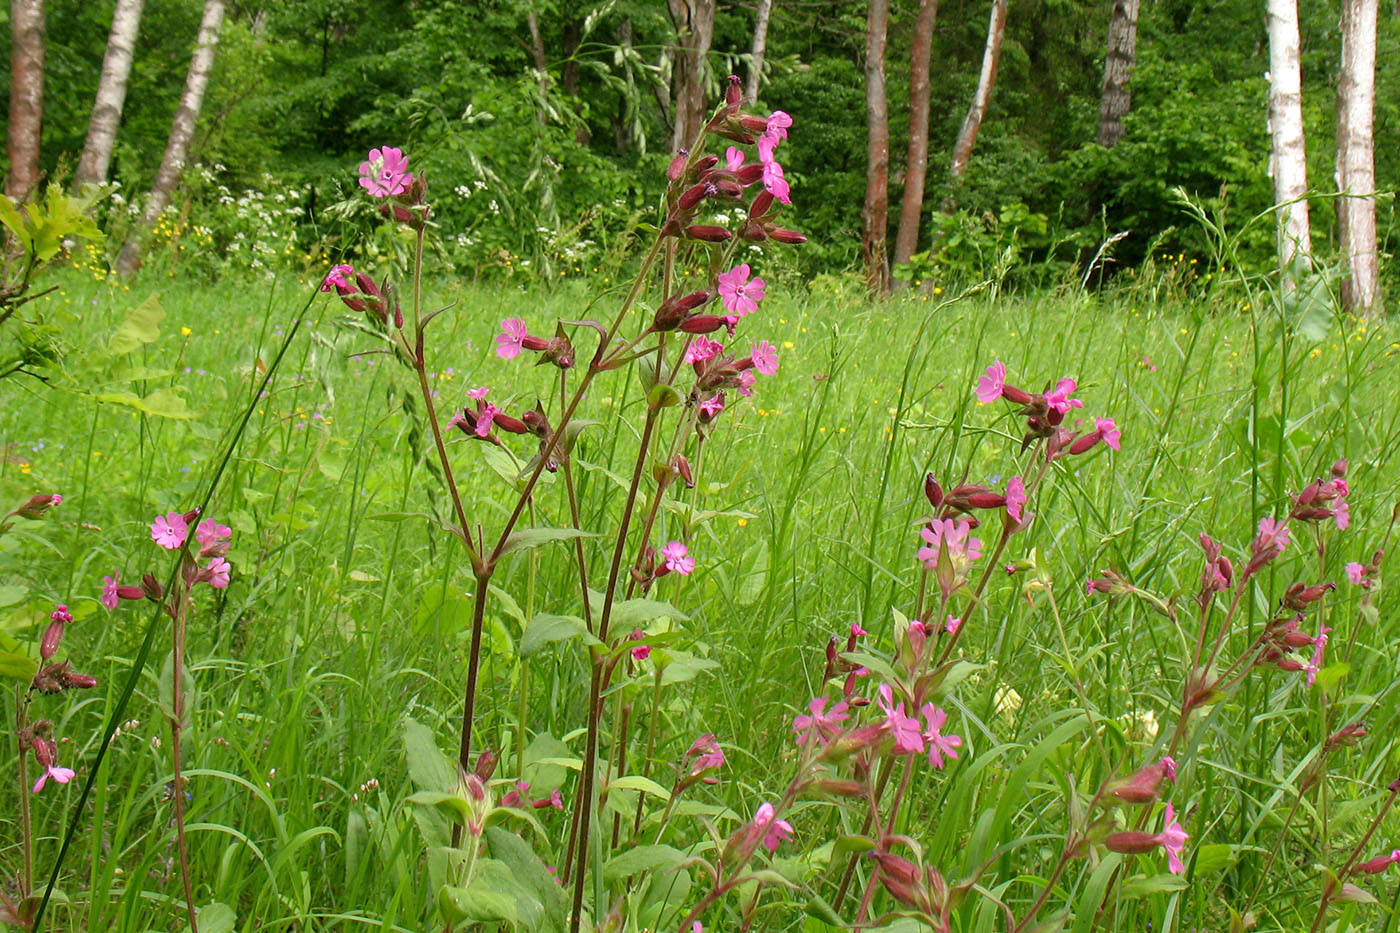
26 96
177 147
981 100
96 159
1356 168
695 29
1288 157
911 205
1116 97
877 172
759 48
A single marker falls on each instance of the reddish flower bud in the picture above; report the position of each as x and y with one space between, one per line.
1015 396
1339 469
1131 843
1299 596
703 324
485 765
696 193
677 166
734 93
1085 443
507 423
45 750
682 468
786 236
75 681
708 233
1378 864
933 491
48 645
754 123
38 505
748 175
760 204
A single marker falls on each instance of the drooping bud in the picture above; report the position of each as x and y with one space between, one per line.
485 765
708 233
1339 469
682 467
38 505
1131 843
1299 596
933 491
791 237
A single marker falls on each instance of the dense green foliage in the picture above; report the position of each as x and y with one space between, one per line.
304 87
347 612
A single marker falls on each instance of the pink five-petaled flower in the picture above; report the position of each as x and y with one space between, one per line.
740 295
746 380
701 349
765 358
1060 401
511 338
1356 572
775 832
952 625
484 418
109 593
218 571
774 182
1272 538
1015 498
905 729
734 158
60 775
952 534
1319 647
1172 838
1109 432
210 532
677 561
778 123
1341 514
385 173
641 652
939 744
712 406
336 280
707 754
818 723
992 382
170 530
515 797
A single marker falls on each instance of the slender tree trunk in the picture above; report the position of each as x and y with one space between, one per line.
981 100
1116 99
1288 157
760 47
695 28
1356 168
877 172
181 132
911 206
541 63
26 96
111 95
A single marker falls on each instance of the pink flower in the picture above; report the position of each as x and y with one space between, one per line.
1319 646
952 625
905 729
992 382
109 593
712 406
218 571
939 744
336 280
952 534
1356 572
1168 764
708 754
818 723
778 123
775 832
1059 400
385 173
701 349
1108 431
766 146
60 775
734 158
555 800
1379 864
740 296
1173 839
677 561
1015 497
516 796
484 418
479 393
1342 515
641 652
765 358
1273 537
746 380
210 532
774 182
170 530
511 338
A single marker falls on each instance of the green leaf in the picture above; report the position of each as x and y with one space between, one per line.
452 806
141 326
525 866
1156 884
641 859
12 595
824 912
525 538
16 666
428 767
680 667
216 918
662 396
546 629
163 403
1332 674
877 665
635 613
1214 857
637 782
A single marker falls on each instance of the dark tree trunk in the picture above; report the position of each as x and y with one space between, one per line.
911 206
695 27
26 96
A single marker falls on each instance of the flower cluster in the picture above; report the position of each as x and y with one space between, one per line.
1045 413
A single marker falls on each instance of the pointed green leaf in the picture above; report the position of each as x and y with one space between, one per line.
546 629
141 326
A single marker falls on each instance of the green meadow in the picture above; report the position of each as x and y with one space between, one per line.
319 680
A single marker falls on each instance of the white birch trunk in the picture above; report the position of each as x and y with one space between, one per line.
177 147
760 47
1288 156
1116 97
981 100
106 117
26 96
1356 169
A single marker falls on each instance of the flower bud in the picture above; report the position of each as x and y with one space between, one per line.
1299 596
151 587
703 324
1339 469
748 175
734 93
73 680
1131 843
932 491
786 236
38 505
761 203
708 233
1378 864
485 765
677 166
696 193
682 468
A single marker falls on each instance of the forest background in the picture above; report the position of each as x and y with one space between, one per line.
551 121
